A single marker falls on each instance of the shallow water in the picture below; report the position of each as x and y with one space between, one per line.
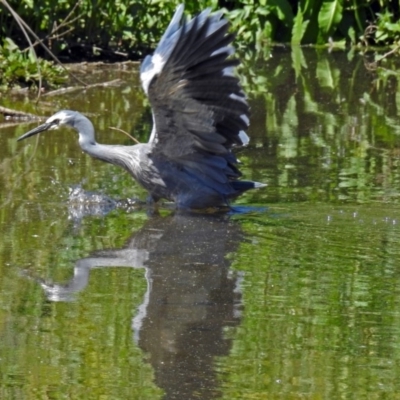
294 295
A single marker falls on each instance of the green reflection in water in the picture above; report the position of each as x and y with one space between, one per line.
82 349
321 292
76 350
321 280
326 129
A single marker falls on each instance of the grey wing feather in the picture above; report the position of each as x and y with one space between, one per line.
152 65
199 109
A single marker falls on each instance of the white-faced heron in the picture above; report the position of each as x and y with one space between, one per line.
200 114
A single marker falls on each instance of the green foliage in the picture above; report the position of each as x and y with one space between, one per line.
135 26
387 28
299 28
262 22
21 68
132 26
329 17
308 21
325 106
89 30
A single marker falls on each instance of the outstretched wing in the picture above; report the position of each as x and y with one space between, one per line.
199 109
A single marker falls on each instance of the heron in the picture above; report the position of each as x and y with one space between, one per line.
200 116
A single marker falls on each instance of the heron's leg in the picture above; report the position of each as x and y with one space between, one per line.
152 200
152 205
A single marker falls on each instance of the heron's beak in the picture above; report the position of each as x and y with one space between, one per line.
40 128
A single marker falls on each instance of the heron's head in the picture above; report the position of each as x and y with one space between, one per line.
64 117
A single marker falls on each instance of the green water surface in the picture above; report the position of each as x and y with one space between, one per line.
295 295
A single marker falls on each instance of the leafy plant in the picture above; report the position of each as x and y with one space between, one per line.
263 20
386 28
21 68
82 29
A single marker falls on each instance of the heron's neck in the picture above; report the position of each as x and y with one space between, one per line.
86 133
88 143
113 154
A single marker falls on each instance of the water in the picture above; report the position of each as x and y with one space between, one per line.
294 295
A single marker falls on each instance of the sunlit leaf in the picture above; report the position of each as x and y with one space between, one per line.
299 28
330 16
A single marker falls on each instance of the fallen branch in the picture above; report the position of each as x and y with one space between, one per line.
374 65
389 53
108 51
75 88
20 115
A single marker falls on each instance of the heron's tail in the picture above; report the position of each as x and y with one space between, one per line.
242 186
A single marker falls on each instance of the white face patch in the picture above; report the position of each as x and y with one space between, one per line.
62 118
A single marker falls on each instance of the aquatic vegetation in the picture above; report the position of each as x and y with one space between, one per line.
130 28
19 68
117 31
386 29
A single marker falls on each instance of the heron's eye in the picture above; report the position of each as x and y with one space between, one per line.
55 122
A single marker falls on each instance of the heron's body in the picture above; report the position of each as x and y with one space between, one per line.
163 178
200 114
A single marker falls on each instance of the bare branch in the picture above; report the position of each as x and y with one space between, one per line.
126 133
76 88
20 115
53 34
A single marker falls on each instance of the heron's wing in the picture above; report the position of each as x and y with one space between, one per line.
199 109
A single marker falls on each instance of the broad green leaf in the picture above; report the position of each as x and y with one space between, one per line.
10 44
330 16
32 56
299 28
262 11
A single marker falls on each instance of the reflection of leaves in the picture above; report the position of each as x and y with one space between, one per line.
298 60
325 75
323 114
355 251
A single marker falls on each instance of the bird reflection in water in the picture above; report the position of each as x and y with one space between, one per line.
192 296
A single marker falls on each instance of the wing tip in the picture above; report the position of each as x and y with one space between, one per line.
152 65
202 49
